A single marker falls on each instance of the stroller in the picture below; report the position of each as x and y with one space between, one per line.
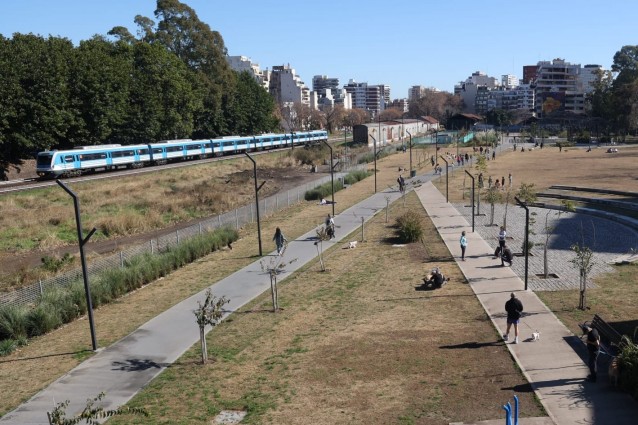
434 280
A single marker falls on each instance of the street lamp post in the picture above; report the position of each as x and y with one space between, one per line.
447 197
332 177
472 177
375 163
82 241
256 196
410 134
526 242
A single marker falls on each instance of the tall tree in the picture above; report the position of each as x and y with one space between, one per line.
248 108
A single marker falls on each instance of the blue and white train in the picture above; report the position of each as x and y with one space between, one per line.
88 159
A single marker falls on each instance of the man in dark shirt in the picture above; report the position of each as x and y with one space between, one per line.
514 309
593 348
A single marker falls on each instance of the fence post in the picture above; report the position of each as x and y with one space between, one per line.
276 203
236 219
219 219
41 288
151 247
362 239
200 228
121 259
288 196
177 236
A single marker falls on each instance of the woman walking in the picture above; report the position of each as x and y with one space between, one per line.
280 240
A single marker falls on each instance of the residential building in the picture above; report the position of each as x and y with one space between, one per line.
243 63
329 94
529 73
287 87
373 98
509 81
416 92
558 88
588 77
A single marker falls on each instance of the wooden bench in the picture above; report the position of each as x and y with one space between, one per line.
611 342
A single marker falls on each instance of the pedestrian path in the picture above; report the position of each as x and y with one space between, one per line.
555 366
127 366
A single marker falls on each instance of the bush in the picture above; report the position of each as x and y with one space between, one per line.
13 322
42 319
7 346
628 362
410 227
356 176
62 305
322 191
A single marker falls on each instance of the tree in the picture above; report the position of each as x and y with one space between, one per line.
584 264
248 108
391 114
527 194
440 105
208 313
322 236
274 267
493 196
335 117
92 414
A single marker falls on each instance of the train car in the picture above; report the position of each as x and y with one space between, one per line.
84 159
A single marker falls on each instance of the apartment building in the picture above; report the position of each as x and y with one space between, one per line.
328 93
287 87
373 98
243 63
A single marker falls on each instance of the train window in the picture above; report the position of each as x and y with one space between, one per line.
142 151
174 149
216 144
242 142
68 158
157 150
228 144
191 147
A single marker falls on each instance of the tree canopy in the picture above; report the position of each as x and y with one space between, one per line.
170 81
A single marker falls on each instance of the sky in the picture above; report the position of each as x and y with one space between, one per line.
400 43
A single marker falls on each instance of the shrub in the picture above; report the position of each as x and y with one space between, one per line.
356 176
410 227
322 191
13 322
7 346
62 305
629 367
42 319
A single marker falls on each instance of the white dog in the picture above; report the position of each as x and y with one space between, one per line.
352 245
536 336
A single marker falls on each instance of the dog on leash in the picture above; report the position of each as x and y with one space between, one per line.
536 336
352 245
614 371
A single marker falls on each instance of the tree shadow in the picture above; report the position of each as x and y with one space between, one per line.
137 365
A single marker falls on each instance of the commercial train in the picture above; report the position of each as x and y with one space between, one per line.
88 159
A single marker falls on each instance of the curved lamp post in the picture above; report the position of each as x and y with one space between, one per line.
375 163
410 134
82 241
256 196
332 177
526 242
472 177
447 198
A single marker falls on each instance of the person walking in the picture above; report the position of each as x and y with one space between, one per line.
463 242
503 182
502 235
510 177
506 256
514 309
330 226
593 348
280 240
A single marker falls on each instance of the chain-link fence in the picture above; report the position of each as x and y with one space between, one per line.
236 218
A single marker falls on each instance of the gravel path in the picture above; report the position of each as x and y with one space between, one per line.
608 241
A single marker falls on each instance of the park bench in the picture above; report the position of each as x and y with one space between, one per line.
611 342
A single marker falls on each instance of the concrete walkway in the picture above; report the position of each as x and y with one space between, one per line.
556 365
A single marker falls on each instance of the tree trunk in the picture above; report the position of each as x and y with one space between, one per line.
273 293
202 339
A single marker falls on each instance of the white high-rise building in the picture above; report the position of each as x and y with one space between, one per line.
373 98
509 81
243 63
329 94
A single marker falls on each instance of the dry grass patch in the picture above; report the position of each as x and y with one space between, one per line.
547 167
357 344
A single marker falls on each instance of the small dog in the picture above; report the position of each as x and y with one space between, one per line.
352 245
536 336
614 371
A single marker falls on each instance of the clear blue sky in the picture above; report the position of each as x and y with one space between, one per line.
401 43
